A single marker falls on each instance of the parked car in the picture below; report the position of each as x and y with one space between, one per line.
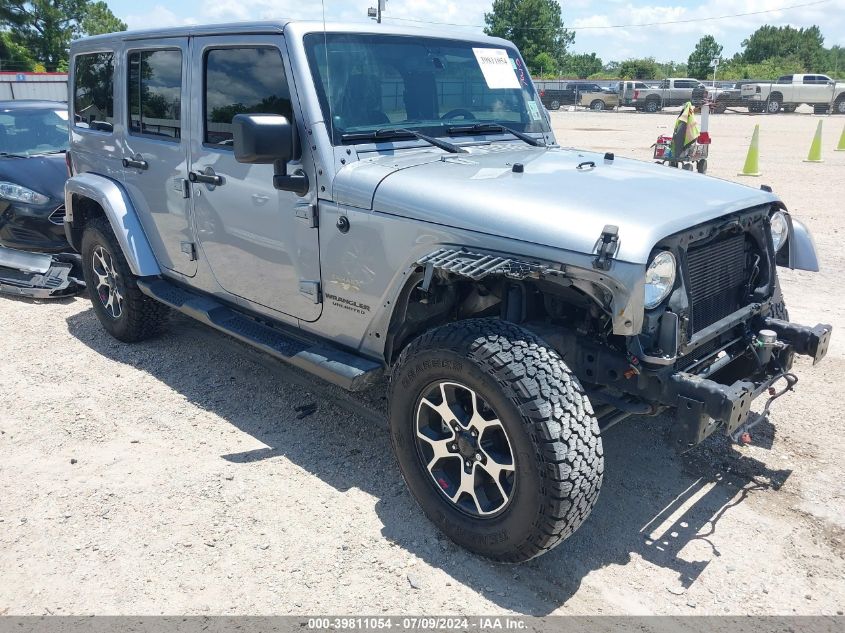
670 92
628 92
724 97
33 141
416 217
790 91
602 100
556 94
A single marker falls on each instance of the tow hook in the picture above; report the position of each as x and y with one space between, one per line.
742 435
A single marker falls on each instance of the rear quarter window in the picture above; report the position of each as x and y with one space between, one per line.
93 91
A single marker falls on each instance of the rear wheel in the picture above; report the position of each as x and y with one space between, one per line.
789 109
652 105
125 312
773 104
554 105
597 104
701 166
495 438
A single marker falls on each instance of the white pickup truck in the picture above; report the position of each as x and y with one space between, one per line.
790 91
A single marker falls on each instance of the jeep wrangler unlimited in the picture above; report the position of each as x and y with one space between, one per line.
359 200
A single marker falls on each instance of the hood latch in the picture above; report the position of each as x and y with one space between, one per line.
606 247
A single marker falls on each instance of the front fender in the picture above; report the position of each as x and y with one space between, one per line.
801 249
121 214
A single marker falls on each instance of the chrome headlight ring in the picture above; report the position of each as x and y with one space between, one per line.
660 279
779 226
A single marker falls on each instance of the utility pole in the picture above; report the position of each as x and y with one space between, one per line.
375 12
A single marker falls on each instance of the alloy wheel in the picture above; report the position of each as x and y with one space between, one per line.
465 448
107 282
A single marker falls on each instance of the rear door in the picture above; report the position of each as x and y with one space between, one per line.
155 151
260 242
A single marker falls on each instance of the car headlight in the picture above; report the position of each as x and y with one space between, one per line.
659 278
11 191
780 229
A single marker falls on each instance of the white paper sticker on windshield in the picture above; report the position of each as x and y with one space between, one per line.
62 114
496 68
534 110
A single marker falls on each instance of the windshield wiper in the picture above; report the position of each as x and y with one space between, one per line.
11 155
52 151
496 127
400 132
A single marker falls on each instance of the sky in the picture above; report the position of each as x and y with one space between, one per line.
589 18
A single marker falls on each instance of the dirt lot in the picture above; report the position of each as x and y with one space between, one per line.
191 475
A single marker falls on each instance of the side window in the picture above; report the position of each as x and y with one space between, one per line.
809 79
242 81
786 79
93 91
155 94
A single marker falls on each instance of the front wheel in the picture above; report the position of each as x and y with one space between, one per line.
839 106
124 311
495 438
773 105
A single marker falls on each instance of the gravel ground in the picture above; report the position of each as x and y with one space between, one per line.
190 474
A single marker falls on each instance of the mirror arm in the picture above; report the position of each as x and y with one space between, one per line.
297 183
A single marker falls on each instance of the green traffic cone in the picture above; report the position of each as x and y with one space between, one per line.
841 146
815 155
751 167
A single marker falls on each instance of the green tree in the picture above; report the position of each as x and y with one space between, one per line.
99 19
698 64
535 26
807 44
582 65
13 56
645 68
835 64
545 64
46 27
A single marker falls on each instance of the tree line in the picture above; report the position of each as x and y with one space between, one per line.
537 28
35 34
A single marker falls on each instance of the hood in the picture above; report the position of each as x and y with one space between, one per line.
45 174
552 202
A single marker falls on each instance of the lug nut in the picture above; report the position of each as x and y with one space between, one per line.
468 463
478 457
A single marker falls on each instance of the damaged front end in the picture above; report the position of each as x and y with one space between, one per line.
721 337
39 276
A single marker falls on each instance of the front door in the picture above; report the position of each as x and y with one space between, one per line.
258 241
155 155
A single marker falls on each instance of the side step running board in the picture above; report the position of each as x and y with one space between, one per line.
344 369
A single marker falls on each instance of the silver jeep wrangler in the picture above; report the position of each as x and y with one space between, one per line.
365 200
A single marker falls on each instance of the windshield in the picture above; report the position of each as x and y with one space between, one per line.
371 82
36 131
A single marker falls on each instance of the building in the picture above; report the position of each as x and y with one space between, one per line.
26 85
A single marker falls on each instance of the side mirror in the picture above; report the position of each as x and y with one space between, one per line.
262 138
268 139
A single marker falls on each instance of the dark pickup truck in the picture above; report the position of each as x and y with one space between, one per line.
554 94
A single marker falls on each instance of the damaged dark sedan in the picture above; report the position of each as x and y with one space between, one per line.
33 143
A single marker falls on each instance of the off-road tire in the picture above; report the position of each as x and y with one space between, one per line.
548 419
778 304
141 317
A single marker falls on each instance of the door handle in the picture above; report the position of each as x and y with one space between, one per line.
136 162
208 179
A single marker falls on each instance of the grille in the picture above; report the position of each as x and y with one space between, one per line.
58 216
718 273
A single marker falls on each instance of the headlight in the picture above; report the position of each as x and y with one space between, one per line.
780 229
11 191
659 279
